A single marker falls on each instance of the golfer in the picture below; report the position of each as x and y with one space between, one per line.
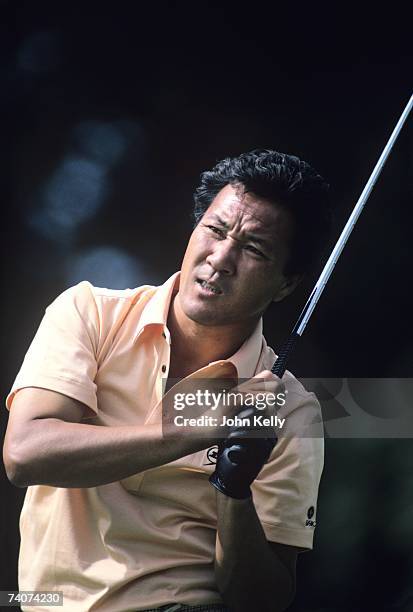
123 511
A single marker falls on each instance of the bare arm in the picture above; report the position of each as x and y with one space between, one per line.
251 573
46 443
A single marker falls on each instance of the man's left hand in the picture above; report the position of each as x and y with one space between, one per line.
240 457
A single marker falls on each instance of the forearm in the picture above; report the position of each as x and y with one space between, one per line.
249 574
62 454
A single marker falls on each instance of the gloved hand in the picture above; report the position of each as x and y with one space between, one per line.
241 457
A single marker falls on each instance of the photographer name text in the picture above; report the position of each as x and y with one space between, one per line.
257 420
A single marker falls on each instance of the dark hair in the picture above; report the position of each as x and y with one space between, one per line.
285 180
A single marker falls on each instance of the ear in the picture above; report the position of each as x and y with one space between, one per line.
288 286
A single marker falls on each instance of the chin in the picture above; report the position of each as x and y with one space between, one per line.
206 316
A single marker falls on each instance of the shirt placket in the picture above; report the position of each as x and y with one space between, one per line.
164 358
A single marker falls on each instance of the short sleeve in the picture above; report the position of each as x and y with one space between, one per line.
62 355
285 492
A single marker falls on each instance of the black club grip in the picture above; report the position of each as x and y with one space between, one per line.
280 365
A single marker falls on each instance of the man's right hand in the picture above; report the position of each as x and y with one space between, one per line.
180 422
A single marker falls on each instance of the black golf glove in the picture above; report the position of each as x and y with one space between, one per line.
240 458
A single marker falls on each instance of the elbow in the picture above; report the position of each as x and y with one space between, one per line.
15 471
16 464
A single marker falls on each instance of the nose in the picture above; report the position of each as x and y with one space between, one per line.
223 256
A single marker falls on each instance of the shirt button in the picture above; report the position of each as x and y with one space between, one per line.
164 369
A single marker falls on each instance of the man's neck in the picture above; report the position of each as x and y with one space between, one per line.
195 346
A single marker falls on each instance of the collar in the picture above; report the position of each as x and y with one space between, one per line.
246 358
156 309
156 312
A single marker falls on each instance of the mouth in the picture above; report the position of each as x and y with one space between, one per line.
209 287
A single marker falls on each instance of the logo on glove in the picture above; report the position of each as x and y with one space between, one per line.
212 454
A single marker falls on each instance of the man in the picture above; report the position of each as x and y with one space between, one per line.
119 513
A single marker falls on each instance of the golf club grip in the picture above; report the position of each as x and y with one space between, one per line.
278 369
280 364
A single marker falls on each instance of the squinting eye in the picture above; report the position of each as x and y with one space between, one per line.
255 251
216 230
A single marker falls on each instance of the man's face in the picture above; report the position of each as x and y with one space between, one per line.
233 265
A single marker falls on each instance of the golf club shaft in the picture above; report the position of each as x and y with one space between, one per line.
280 364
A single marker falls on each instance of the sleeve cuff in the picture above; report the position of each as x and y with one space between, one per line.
60 385
301 538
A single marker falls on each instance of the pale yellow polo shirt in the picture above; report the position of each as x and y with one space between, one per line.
147 540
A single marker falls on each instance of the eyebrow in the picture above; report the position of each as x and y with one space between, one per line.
220 221
248 236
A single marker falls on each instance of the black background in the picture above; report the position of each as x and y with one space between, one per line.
195 82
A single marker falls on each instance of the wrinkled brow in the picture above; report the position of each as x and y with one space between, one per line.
248 235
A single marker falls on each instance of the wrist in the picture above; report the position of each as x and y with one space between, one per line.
232 503
239 492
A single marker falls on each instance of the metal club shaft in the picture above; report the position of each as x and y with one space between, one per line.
281 362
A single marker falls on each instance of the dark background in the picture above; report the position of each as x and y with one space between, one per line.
109 114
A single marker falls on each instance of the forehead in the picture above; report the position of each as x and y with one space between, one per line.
249 213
